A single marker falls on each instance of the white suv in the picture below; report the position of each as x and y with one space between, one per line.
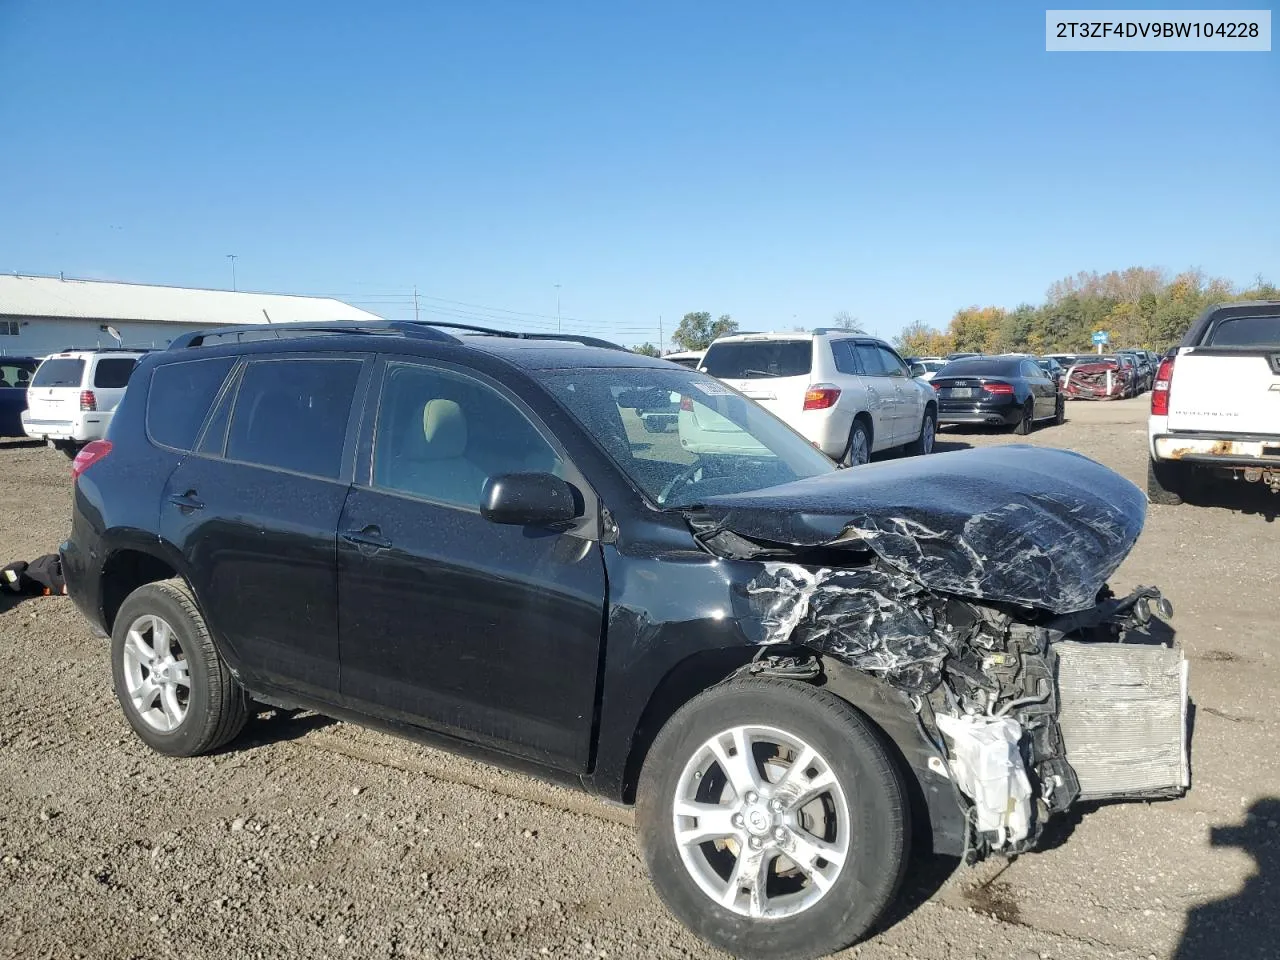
849 394
74 394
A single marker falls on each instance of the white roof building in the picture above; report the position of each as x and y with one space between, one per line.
41 315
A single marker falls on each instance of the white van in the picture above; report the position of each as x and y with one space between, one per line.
74 394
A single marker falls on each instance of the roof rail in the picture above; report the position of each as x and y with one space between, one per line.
420 329
522 335
282 331
105 350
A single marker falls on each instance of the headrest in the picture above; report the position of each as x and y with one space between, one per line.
445 429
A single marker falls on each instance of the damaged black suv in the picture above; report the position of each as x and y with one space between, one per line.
794 671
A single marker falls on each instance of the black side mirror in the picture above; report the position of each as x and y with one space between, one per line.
529 499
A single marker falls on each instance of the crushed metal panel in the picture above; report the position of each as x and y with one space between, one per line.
1123 716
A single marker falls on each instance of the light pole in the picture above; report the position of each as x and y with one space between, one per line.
232 258
557 308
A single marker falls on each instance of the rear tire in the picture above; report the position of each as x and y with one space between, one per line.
923 444
859 450
844 749
68 448
1028 421
1060 411
176 691
1168 483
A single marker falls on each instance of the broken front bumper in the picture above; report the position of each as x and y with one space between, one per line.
1028 712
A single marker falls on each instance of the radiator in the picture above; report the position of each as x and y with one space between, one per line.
1123 716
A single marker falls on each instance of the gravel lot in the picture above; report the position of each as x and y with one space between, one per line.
319 839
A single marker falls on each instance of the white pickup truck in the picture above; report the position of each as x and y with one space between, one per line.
1215 403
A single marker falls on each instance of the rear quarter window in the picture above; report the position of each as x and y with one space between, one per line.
180 397
112 373
752 360
59 372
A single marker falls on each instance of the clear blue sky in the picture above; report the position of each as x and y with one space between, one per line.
766 160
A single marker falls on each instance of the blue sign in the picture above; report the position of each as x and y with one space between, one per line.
1100 337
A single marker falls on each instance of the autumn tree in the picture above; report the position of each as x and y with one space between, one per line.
698 330
918 339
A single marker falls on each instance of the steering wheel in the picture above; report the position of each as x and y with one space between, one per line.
685 476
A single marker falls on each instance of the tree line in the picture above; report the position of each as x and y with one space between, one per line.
1139 307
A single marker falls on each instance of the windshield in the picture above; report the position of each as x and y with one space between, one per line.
679 435
754 359
59 373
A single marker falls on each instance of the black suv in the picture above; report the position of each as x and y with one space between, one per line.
794 671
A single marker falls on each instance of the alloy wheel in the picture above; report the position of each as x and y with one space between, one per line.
156 674
761 822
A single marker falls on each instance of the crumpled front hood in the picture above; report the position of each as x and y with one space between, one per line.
1018 524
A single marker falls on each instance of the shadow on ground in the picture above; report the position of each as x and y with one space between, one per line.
273 725
1246 925
1240 497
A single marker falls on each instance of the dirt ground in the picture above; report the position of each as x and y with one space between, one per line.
317 839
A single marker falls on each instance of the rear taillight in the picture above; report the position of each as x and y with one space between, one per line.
821 396
998 388
88 401
1160 388
686 403
90 454
935 384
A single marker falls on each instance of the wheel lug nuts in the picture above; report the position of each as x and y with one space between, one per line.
751 797
738 820
755 843
779 834
775 805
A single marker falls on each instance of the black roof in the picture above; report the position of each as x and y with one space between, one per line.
1221 311
533 351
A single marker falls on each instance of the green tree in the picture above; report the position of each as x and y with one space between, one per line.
646 350
697 330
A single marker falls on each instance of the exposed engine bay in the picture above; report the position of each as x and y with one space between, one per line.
986 605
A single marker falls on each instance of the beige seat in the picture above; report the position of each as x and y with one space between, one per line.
434 463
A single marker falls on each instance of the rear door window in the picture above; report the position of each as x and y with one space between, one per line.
291 414
754 359
180 397
112 373
59 372
869 360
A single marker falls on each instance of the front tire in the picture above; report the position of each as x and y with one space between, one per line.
1060 411
745 777
175 690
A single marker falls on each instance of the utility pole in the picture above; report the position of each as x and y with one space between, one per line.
415 303
557 308
232 258
659 334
